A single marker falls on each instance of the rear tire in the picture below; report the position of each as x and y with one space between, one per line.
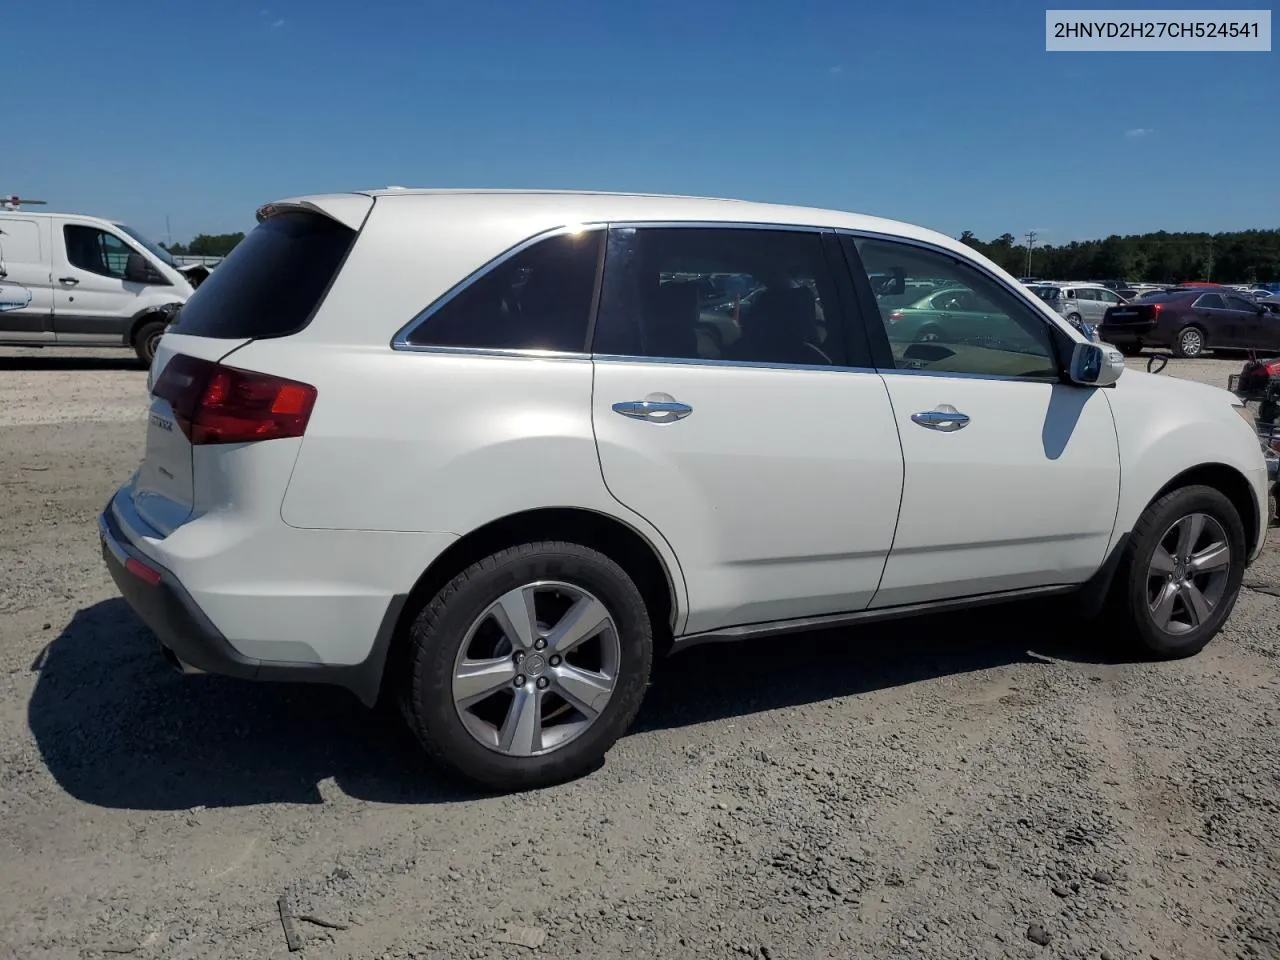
147 338
1189 342
480 727
1181 573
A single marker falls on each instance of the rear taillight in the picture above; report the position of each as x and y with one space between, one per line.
217 404
1155 310
895 316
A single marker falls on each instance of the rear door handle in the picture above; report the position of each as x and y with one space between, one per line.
658 408
944 418
71 280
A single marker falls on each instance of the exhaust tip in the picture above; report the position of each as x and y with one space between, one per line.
184 668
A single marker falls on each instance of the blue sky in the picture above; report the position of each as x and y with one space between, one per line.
947 114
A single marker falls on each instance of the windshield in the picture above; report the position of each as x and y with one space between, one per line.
156 251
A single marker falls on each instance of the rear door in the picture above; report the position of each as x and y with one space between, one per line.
269 287
26 297
1221 326
770 464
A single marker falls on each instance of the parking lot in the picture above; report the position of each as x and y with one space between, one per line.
992 785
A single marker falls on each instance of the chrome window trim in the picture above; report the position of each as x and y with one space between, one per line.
718 225
960 375
510 353
1024 295
749 364
400 340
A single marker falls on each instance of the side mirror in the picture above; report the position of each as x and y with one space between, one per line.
137 270
1096 364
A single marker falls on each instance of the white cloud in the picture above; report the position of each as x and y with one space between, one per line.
1135 133
834 71
277 23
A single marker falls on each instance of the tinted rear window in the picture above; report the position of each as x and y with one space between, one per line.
272 282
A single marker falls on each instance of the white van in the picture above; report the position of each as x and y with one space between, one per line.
71 280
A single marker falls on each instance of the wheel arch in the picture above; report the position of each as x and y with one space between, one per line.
144 316
1228 481
661 587
1222 477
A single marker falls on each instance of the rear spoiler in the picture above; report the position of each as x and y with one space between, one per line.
348 209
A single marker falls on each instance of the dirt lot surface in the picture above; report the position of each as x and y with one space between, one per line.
984 786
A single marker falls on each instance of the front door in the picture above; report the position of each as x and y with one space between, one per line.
1250 321
92 300
1012 477
771 467
26 298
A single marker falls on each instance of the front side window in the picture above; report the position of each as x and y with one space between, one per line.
1106 296
1241 304
538 299
96 251
970 324
750 295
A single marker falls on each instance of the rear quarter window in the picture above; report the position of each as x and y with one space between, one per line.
273 281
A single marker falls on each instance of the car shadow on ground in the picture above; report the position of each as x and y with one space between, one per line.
124 362
118 727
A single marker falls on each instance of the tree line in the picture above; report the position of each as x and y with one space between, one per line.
1245 256
206 245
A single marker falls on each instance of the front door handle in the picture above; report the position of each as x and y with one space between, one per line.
655 408
943 417
71 280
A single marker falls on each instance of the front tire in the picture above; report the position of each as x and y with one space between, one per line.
526 668
1181 573
147 338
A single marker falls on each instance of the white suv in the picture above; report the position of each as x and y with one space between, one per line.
491 452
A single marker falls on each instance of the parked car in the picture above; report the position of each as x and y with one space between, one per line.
952 314
72 280
1082 304
465 450
1191 320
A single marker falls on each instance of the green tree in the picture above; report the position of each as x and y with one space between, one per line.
215 245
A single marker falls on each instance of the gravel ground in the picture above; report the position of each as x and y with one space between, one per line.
1021 793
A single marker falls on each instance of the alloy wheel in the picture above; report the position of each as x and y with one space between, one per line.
536 669
1188 574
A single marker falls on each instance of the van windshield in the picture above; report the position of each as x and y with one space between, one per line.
155 250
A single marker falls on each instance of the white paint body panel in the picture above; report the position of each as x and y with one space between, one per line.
779 493
1166 427
1023 496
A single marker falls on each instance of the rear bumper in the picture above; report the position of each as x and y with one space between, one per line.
190 638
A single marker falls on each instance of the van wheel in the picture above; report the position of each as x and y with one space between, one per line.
528 666
147 339
1189 342
1182 571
